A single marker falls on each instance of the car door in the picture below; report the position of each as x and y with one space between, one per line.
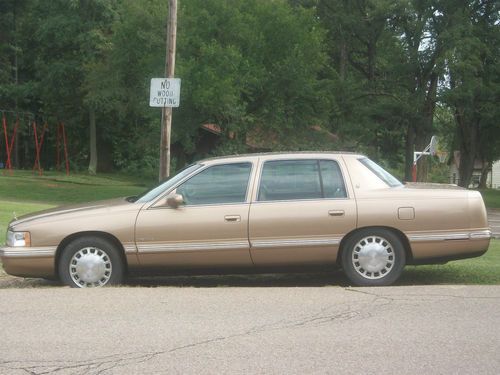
301 211
209 230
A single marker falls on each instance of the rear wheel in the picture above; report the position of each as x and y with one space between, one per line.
90 262
373 257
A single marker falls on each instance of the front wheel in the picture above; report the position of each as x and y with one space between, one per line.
89 262
373 257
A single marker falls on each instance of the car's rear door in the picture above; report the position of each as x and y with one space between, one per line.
300 212
209 230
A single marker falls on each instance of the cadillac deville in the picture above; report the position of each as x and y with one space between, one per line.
255 213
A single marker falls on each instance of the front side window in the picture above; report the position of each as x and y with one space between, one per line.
226 183
301 179
166 185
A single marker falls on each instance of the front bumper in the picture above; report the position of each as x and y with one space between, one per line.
29 261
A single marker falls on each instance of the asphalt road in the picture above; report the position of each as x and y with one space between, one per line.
249 327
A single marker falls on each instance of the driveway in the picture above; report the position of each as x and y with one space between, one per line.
494 221
247 327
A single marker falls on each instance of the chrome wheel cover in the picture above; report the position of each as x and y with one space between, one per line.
90 267
373 257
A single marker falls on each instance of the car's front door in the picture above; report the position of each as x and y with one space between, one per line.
300 213
209 230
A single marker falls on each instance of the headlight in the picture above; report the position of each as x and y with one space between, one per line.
18 239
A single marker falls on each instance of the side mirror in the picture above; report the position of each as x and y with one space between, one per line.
175 200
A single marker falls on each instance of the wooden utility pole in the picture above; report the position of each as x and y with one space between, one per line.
166 115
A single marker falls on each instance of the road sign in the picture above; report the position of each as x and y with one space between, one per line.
164 92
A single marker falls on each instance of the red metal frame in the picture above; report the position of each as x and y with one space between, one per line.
38 146
9 146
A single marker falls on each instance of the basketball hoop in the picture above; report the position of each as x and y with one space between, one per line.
433 145
442 155
431 149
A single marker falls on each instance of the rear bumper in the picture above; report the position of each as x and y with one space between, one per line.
438 247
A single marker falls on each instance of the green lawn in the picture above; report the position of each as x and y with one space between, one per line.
54 188
491 198
23 193
482 270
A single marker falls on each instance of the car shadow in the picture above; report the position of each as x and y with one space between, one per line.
412 276
335 278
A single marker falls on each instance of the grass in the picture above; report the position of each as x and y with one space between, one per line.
23 193
56 189
484 270
491 198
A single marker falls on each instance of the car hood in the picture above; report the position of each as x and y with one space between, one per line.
82 208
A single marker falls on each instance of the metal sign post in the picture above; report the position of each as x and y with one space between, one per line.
166 117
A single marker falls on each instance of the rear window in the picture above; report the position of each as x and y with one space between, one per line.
301 179
380 172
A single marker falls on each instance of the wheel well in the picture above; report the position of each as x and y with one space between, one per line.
401 235
107 236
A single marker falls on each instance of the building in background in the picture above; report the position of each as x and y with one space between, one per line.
493 180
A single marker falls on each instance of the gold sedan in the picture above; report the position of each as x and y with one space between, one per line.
255 212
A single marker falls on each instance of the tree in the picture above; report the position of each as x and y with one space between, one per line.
473 89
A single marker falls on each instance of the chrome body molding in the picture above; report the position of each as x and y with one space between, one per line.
129 247
197 246
484 234
450 236
28 252
302 242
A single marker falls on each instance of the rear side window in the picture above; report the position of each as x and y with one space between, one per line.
380 172
301 179
226 183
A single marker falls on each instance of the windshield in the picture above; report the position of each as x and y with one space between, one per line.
165 185
380 172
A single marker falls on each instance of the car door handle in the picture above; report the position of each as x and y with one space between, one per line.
336 212
232 218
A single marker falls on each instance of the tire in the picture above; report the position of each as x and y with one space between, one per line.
373 257
89 262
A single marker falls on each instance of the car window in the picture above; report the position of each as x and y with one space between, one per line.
226 183
300 179
333 182
380 172
166 185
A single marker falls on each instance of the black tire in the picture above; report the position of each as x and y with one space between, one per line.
373 257
94 261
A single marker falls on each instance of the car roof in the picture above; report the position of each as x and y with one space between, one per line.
280 154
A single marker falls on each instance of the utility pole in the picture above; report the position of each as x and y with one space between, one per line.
166 114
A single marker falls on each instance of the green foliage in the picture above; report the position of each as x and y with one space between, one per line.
378 77
473 91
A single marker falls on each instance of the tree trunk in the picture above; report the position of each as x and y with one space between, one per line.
409 147
343 59
483 182
468 148
93 142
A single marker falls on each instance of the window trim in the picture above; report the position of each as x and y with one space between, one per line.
318 160
200 170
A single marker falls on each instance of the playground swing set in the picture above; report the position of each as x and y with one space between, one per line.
39 138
